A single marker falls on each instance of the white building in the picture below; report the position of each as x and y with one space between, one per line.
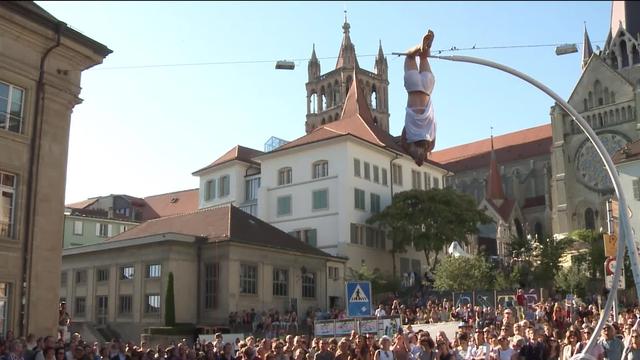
627 162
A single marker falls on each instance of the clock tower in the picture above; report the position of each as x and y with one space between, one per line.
607 96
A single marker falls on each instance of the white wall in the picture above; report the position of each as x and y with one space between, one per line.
629 172
236 171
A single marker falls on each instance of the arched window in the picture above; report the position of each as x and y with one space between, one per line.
323 100
284 176
590 99
624 53
537 229
605 119
617 115
585 105
589 219
606 95
374 98
320 169
623 115
613 97
375 120
336 93
597 90
330 102
313 103
322 122
600 120
519 229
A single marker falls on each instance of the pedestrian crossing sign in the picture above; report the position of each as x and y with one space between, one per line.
358 295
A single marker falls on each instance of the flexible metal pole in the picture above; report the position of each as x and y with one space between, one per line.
625 227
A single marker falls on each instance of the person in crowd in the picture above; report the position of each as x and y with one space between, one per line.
611 344
385 352
324 353
64 319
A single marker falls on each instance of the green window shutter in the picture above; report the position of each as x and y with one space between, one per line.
312 237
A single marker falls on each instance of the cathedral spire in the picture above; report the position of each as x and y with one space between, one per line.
381 62
347 55
313 68
494 181
587 50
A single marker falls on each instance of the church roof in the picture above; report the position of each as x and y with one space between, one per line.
505 209
221 224
508 147
587 50
239 153
356 120
347 54
494 181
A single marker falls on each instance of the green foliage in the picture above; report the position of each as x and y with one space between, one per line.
170 305
463 273
507 279
430 220
379 282
594 257
572 280
547 254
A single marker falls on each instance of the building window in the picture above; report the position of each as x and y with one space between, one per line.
367 171
210 190
309 236
7 201
153 271
334 272
125 304
320 169
427 181
396 174
77 228
384 177
211 282
309 285
250 209
104 230
356 167
416 179
102 275
63 279
152 304
636 189
251 189
375 203
11 107
123 228
4 306
359 199
280 282
367 235
284 176
81 277
436 183
224 186
284 205
80 306
320 200
376 174
126 272
248 279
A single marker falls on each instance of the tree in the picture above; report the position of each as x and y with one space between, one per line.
547 254
429 220
594 257
572 280
463 274
379 283
170 305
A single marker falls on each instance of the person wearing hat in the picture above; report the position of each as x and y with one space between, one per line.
610 343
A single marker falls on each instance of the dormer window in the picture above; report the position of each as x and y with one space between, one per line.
320 169
284 176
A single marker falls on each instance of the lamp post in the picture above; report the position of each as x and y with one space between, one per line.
625 231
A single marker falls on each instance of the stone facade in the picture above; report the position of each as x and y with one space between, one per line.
607 96
40 67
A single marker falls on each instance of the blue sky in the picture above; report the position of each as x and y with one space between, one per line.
144 131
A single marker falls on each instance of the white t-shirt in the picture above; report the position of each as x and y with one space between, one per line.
505 354
380 312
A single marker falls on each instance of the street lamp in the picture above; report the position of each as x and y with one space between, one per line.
625 228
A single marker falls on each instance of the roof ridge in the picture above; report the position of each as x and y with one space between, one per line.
171 192
210 208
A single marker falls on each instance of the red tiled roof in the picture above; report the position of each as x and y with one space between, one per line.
82 204
226 223
528 142
356 120
534 201
505 209
629 152
178 202
239 153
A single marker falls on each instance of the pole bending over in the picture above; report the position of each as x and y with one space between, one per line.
419 133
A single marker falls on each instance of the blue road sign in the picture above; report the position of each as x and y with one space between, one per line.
358 295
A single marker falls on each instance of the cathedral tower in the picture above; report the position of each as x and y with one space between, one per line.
326 92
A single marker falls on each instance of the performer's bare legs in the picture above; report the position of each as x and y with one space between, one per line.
419 109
